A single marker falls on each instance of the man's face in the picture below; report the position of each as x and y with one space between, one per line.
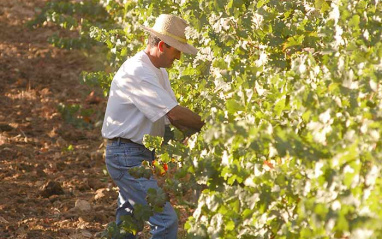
169 55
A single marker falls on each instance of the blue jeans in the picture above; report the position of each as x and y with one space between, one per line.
119 158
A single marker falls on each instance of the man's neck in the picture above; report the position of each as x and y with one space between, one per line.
152 53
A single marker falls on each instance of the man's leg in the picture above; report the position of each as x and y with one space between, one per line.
119 158
164 224
123 209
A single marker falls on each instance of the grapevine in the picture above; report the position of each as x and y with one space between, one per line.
291 95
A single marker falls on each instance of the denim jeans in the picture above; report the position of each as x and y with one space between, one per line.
119 158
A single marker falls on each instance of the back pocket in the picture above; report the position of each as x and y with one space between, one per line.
131 158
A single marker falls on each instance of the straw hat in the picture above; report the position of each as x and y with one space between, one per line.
171 30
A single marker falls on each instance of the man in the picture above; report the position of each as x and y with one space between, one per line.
142 102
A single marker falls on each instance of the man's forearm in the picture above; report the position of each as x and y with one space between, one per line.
186 131
182 117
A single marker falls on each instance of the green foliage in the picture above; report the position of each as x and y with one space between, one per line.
141 172
97 79
76 115
76 18
152 142
156 199
131 224
291 94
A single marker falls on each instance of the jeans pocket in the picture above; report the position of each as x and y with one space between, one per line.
129 161
118 164
114 166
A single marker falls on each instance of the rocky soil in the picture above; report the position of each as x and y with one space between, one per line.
52 176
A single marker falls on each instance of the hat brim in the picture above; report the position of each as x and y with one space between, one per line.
183 47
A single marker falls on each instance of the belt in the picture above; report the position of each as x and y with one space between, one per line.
122 140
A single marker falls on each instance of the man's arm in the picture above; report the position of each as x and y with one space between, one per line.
182 117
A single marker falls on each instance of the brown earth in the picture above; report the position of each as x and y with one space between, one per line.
53 181
37 146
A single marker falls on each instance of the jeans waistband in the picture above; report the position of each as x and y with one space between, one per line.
121 140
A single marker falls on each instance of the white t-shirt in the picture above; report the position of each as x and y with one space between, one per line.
140 97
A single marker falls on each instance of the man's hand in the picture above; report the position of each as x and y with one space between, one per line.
187 134
184 119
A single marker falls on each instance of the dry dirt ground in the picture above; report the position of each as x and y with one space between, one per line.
52 180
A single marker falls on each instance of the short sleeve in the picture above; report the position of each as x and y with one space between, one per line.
147 95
